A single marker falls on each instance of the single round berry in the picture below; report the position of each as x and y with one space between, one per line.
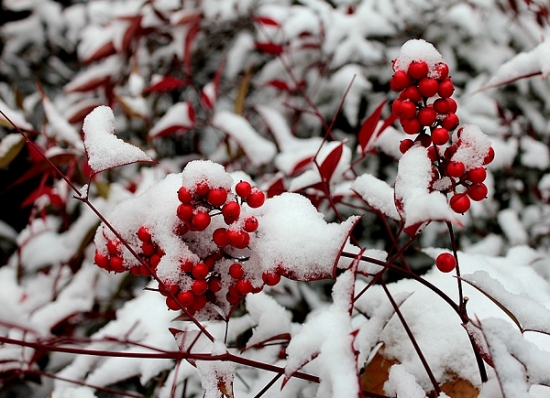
442 70
154 260
214 284
424 139
217 197
250 224
114 247
441 105
450 122
243 189
202 188
400 80
452 104
186 298
199 302
243 286
405 145
116 263
143 234
220 237
184 195
440 136
396 107
460 203
201 220
199 287
490 156
407 110
418 70
200 271
428 87
101 259
256 198
185 211
231 212
411 93
186 265
148 248
456 169
477 175
445 262
477 192
446 88
427 116
172 304
271 278
236 271
411 126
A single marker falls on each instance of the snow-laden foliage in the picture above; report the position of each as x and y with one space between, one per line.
334 250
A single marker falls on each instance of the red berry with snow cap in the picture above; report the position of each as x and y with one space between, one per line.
250 224
490 156
418 70
256 198
202 188
442 70
184 195
445 262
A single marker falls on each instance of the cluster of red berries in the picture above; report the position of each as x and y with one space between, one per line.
425 107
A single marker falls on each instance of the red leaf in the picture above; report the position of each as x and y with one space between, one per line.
300 165
34 195
103 52
366 134
42 166
276 188
326 169
90 85
269 48
189 39
278 84
267 21
131 31
167 83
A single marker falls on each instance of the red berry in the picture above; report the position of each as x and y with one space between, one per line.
418 70
220 237
424 139
238 238
172 304
411 93
411 126
432 155
232 296
250 224
445 262
236 271
199 287
442 70
490 156
143 234
185 211
116 264
210 261
202 188
407 110
186 265
243 189
184 195
214 284
181 229
427 116
199 302
428 87
148 248
460 203
405 145
231 212
396 107
477 175
113 247
256 198
271 278
201 220
217 197
101 259
477 192
446 88
453 105
450 122
441 105
440 136
400 80
186 298
456 169
169 286
200 271
154 261
243 286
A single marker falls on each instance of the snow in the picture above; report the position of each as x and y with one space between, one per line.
473 146
377 194
15 116
103 148
178 116
534 153
271 318
512 227
8 142
402 384
418 50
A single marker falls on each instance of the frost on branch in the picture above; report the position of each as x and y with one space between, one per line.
105 150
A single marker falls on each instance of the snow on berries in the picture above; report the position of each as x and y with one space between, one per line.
211 241
427 112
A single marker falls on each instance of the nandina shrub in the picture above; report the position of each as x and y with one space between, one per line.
290 100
